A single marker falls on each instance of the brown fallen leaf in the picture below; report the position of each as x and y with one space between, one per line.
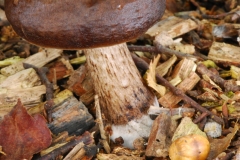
22 135
220 145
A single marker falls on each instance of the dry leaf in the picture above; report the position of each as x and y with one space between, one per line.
187 127
220 145
22 135
151 74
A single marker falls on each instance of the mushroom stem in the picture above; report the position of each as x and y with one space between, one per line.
123 97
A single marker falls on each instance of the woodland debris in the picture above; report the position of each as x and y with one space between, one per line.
39 59
58 99
187 99
70 115
144 66
151 80
9 61
225 54
80 82
87 152
220 145
184 68
74 151
79 60
24 85
85 138
24 79
217 93
224 84
153 110
187 127
160 137
104 136
165 40
29 96
102 156
49 88
173 25
163 68
59 69
170 100
158 48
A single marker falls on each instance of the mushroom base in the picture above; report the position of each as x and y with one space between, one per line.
134 129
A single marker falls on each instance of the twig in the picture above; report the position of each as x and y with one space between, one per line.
176 91
201 117
187 99
101 125
158 48
49 88
219 16
86 138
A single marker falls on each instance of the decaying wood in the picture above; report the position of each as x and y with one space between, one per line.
160 137
24 79
224 53
80 83
29 97
88 97
85 138
170 100
105 138
24 85
70 115
184 68
86 153
59 69
74 151
174 27
39 59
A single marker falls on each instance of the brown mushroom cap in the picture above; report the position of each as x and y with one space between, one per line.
78 24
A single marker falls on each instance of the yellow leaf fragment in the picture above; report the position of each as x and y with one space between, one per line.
151 80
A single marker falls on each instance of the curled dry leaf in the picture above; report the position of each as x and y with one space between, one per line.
220 145
151 77
187 127
22 135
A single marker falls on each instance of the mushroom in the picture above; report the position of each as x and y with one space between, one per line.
190 147
100 28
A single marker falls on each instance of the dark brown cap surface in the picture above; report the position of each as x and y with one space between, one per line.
77 24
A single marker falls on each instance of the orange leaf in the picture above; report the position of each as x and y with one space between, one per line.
22 135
